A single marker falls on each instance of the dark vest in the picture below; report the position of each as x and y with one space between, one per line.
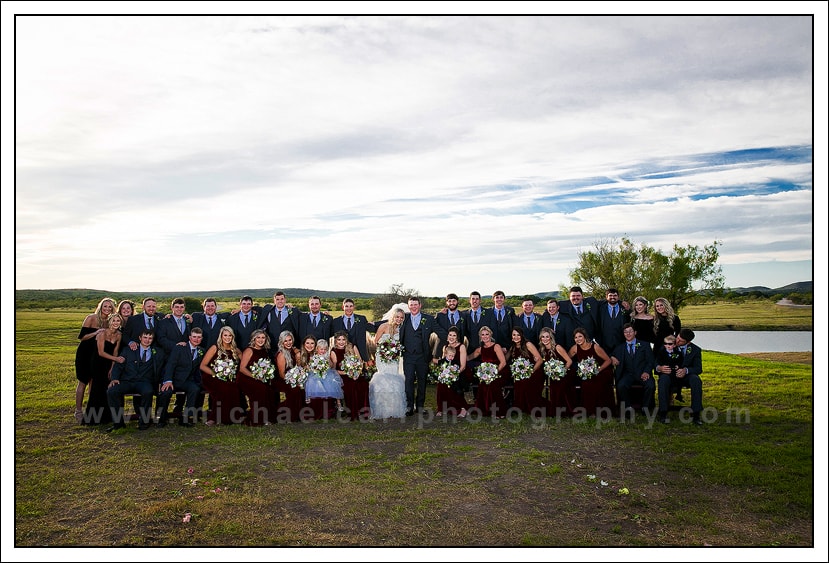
413 340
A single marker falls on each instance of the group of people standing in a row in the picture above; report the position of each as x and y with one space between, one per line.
247 359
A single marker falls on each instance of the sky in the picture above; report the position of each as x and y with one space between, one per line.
446 154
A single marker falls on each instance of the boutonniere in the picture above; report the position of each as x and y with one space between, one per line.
152 351
587 306
356 319
200 352
253 317
223 320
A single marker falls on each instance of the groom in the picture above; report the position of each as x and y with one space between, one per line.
414 335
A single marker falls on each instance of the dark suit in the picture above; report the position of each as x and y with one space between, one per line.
531 332
321 331
630 370
417 356
561 327
692 361
183 371
274 326
588 319
243 331
501 330
135 376
167 333
472 327
609 334
443 323
135 326
356 334
210 334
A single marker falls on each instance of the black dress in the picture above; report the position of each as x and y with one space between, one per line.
87 350
97 407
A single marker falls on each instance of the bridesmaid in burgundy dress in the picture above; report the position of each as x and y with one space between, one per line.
450 397
355 390
287 357
560 400
490 398
596 392
528 392
224 394
263 398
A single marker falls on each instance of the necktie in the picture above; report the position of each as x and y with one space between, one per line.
454 320
630 349
348 323
210 321
195 353
145 355
500 316
475 316
150 323
282 316
579 310
613 314
247 319
315 320
180 322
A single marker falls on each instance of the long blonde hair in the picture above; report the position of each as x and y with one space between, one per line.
103 322
669 315
221 353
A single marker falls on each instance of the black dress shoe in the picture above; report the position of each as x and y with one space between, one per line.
143 425
161 423
115 427
186 424
696 421
664 420
409 412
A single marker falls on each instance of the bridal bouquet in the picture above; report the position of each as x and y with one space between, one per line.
521 369
262 370
318 365
389 350
449 374
225 370
434 372
588 368
487 372
296 376
352 366
555 369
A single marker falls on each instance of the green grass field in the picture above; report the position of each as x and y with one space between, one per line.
744 479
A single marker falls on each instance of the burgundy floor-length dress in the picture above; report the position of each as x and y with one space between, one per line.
529 392
224 398
355 391
263 398
596 392
450 397
490 397
562 399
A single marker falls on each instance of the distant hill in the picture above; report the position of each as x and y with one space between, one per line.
797 287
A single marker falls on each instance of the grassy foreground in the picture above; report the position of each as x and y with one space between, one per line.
745 479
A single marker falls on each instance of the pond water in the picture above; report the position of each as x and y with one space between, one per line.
744 341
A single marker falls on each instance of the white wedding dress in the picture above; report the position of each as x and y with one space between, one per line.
387 388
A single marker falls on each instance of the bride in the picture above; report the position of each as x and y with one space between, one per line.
387 389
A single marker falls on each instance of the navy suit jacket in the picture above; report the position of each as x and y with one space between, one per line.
563 329
135 326
472 328
642 361
181 366
530 334
443 324
357 335
210 335
167 334
609 334
321 331
589 318
427 327
243 332
692 359
130 370
274 327
501 331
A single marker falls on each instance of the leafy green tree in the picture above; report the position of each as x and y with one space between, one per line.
644 270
